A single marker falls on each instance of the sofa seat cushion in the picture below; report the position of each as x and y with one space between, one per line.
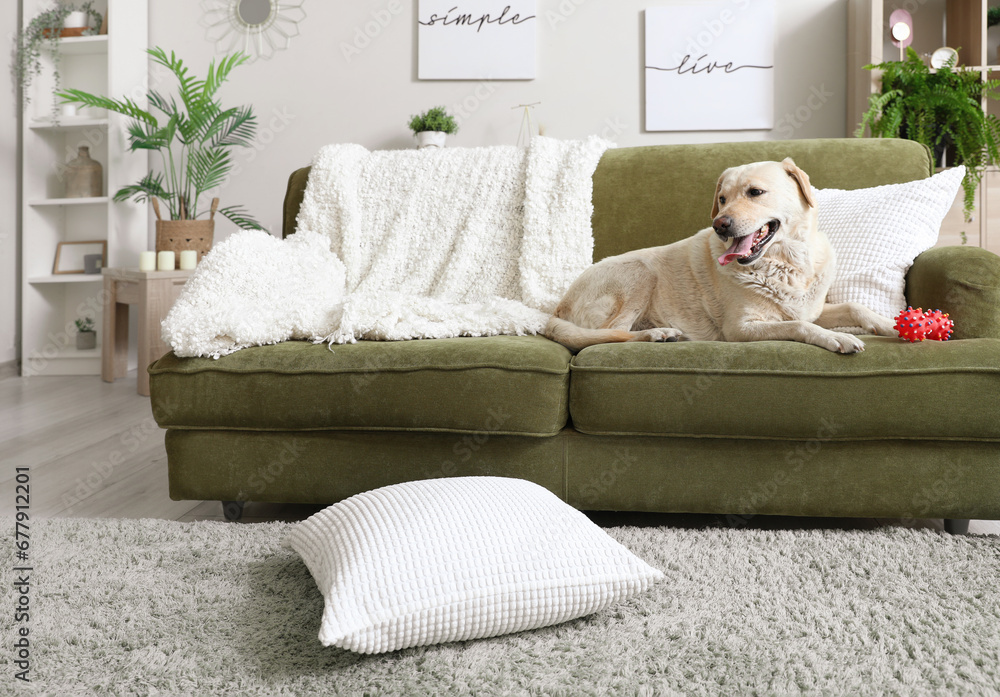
500 384
788 390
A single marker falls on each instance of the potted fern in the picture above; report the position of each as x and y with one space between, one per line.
194 140
941 109
432 127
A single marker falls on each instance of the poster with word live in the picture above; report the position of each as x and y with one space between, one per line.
710 66
476 40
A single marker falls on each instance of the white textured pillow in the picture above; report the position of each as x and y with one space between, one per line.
877 233
458 558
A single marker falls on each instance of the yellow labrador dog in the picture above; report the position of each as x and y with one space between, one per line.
761 272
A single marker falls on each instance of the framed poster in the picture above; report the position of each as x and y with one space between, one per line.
710 66
476 39
70 255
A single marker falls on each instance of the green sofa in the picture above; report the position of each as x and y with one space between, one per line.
901 430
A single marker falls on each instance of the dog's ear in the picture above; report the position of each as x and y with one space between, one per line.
715 201
801 178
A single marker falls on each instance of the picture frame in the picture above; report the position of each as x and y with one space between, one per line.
482 40
698 50
69 255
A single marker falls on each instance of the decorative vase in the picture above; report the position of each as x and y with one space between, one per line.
86 340
431 139
84 176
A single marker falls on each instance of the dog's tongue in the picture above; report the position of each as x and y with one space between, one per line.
740 247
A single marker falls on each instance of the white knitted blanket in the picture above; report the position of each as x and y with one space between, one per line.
424 244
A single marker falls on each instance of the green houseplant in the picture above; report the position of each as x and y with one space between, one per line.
941 109
432 126
46 28
194 139
86 337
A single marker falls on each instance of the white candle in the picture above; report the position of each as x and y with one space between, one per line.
69 109
165 261
147 261
189 259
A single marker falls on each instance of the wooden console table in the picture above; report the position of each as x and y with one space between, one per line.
154 292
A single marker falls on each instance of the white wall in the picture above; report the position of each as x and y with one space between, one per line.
351 77
9 130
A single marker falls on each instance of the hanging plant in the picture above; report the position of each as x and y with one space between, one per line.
940 109
46 27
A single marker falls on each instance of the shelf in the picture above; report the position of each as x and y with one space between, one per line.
73 352
66 278
84 201
81 45
66 124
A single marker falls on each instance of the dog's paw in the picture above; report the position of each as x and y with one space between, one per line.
659 334
839 342
881 326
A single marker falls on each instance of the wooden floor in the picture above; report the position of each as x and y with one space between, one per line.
94 450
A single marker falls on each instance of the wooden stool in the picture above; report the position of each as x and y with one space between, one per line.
154 292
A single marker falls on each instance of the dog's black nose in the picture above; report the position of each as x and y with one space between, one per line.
722 225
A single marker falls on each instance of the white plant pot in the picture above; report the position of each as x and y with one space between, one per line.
431 139
75 20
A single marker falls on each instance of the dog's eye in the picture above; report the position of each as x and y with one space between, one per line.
722 200
755 192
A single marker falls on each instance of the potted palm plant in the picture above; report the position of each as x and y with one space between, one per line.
941 109
432 127
195 142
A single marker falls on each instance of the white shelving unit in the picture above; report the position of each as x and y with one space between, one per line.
113 64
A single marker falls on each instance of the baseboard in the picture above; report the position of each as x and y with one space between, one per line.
8 370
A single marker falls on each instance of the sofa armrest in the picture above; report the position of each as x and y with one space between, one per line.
962 281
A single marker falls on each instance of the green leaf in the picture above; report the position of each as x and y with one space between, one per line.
149 186
207 168
233 127
125 106
239 216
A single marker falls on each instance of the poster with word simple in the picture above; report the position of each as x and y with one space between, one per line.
710 66
476 40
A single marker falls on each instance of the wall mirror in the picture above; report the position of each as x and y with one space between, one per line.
256 27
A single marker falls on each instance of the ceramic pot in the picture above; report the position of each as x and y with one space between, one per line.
86 340
431 139
84 176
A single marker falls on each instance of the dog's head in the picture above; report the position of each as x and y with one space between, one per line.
757 203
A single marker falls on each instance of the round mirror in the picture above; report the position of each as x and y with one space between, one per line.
258 28
900 30
254 12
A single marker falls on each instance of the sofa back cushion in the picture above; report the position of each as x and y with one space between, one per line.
657 194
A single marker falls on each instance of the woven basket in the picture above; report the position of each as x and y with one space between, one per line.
177 235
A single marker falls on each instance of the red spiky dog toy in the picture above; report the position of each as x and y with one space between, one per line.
917 325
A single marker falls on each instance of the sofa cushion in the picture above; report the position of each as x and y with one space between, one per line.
500 384
781 389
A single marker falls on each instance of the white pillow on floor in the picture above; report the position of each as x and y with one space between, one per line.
458 558
876 234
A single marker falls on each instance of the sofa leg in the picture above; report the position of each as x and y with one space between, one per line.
956 526
233 510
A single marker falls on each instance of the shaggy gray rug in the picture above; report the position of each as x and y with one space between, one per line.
154 607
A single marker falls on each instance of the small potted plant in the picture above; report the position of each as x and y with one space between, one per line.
432 127
86 337
49 27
